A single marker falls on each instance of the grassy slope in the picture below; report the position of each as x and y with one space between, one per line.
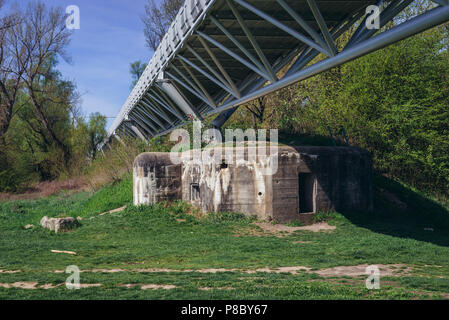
167 237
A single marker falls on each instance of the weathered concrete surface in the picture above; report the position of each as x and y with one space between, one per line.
236 186
59 224
155 178
307 180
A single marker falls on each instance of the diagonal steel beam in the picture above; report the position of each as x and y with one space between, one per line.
154 90
145 118
191 87
253 41
323 27
228 82
149 95
234 55
194 92
150 115
138 133
362 25
179 101
220 67
413 26
148 104
124 130
303 23
168 88
154 120
284 28
160 100
118 138
198 83
392 10
309 54
135 117
204 73
239 45
134 126
442 2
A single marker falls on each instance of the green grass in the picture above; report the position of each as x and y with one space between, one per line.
165 236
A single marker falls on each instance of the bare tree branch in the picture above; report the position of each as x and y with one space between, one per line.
157 20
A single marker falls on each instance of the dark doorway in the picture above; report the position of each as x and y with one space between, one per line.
306 192
194 192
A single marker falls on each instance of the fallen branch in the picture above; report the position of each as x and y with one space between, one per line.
59 251
113 211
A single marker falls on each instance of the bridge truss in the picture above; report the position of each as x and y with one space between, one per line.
219 54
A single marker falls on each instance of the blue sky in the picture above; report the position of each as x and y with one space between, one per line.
110 38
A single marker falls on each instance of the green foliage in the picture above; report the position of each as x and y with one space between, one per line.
112 196
112 164
224 217
295 223
136 69
43 136
29 153
393 102
323 216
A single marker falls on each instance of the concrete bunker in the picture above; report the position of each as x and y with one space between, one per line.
307 180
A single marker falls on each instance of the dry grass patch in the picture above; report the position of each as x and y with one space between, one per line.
281 230
149 286
360 270
47 188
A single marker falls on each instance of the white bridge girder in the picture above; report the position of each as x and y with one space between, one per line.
219 54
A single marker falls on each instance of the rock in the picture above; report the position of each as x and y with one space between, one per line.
29 226
79 218
59 224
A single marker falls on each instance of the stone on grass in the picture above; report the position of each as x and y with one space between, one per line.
29 226
59 224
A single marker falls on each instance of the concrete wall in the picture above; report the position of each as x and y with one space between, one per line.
341 180
155 178
308 179
237 186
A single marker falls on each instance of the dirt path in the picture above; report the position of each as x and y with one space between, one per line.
351 271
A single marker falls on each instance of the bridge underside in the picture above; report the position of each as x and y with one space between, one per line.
234 50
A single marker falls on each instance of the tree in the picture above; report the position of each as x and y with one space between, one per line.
393 102
136 69
257 110
157 20
10 71
97 132
33 45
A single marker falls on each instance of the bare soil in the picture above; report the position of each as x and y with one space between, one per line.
46 189
350 271
281 229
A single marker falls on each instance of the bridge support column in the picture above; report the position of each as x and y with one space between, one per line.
178 98
118 139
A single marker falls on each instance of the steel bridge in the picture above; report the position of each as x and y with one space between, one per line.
219 54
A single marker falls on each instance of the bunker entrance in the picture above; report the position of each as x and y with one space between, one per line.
306 192
194 192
